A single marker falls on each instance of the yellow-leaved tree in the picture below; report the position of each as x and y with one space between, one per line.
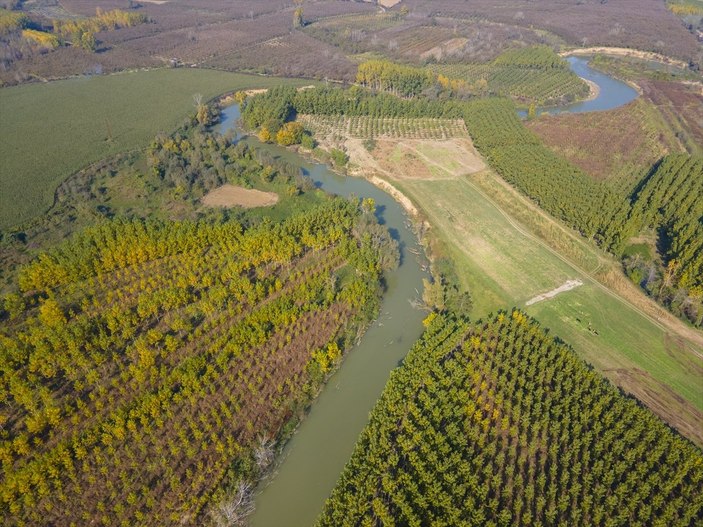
290 134
51 314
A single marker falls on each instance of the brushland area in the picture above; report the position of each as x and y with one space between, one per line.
506 251
166 181
618 146
648 153
149 367
499 423
58 128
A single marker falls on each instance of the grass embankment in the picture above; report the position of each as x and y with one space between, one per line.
50 131
507 251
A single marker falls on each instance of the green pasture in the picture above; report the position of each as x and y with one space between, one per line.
503 262
49 131
613 337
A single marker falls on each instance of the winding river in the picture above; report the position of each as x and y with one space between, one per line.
314 457
612 92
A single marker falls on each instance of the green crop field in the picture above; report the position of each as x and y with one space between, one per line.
504 263
49 131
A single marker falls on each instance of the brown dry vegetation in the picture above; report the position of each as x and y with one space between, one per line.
233 196
621 145
294 55
617 145
257 35
681 106
418 38
190 31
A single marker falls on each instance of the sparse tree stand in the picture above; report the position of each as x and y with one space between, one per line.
87 41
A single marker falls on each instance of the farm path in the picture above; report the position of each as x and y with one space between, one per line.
667 324
366 160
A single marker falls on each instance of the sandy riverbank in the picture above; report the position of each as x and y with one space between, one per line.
625 52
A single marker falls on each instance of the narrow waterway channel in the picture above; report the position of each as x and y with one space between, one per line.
315 456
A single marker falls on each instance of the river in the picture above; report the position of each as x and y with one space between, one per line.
612 93
314 457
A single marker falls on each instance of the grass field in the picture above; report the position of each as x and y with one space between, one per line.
507 252
49 131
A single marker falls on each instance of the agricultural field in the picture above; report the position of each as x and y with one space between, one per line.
502 264
627 23
92 118
499 423
505 257
365 127
293 55
176 294
190 32
681 107
674 93
418 38
544 87
211 32
149 367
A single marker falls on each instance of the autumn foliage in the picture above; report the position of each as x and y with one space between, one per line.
143 361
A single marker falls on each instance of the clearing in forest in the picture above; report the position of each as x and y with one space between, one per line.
232 196
507 251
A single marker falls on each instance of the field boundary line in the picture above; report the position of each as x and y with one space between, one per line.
697 340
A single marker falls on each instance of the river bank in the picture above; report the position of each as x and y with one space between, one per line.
624 52
312 459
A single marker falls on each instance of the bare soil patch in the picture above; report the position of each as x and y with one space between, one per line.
567 286
450 47
662 400
231 196
626 52
418 159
